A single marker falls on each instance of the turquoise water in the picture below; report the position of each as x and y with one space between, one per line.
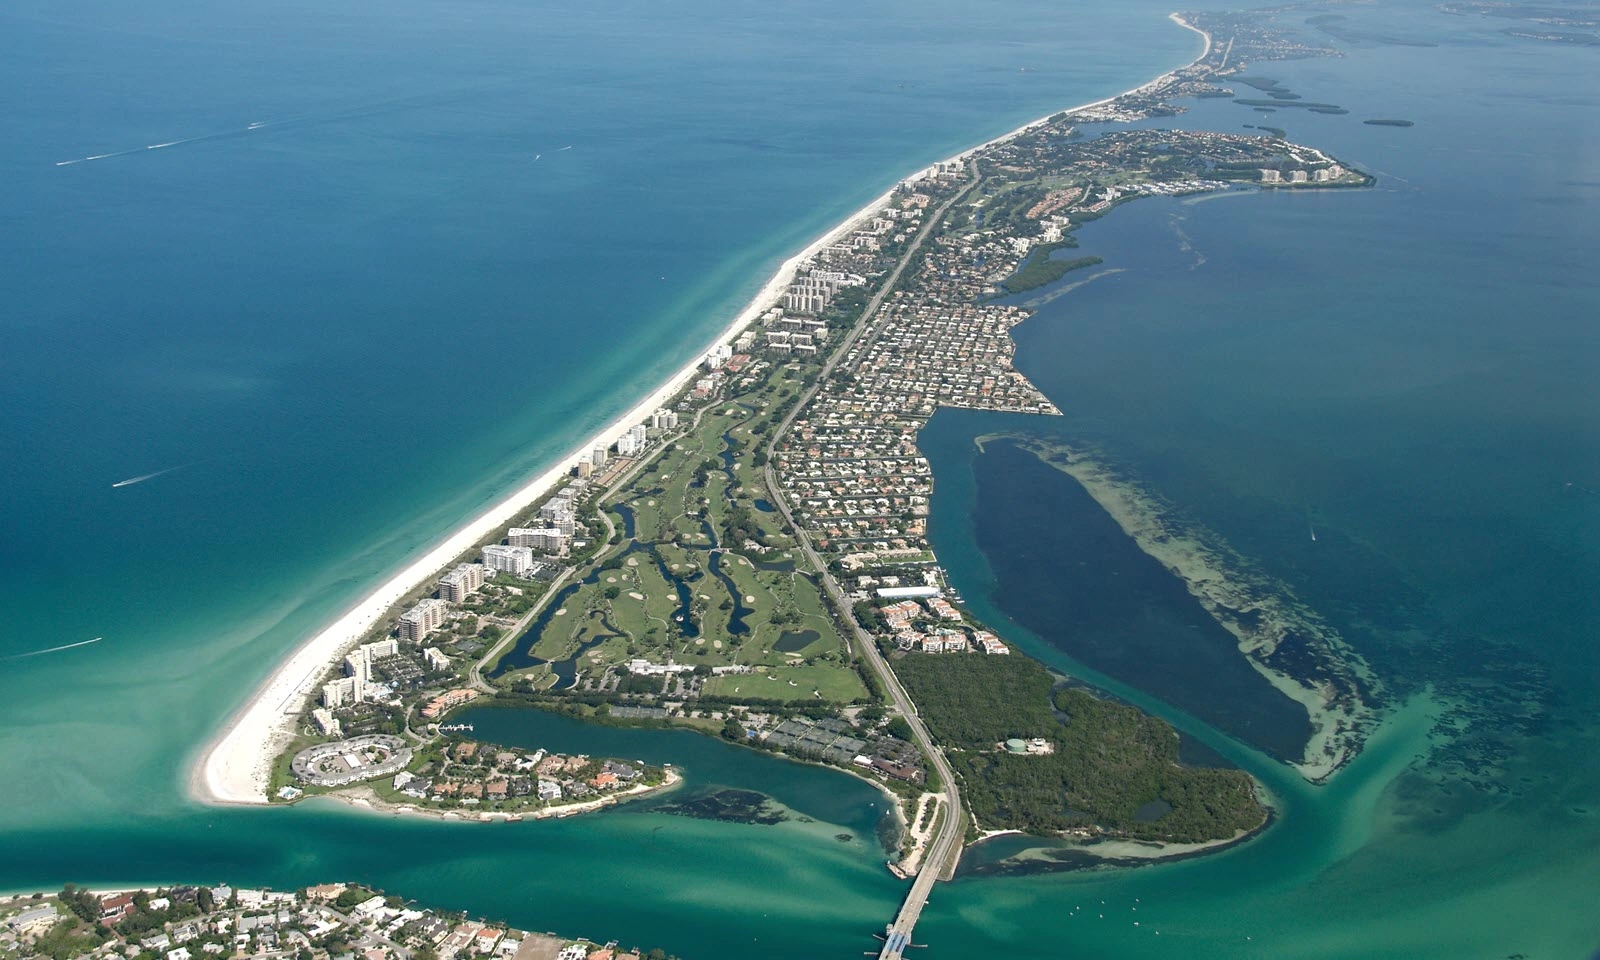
1410 369
353 326
353 329
356 326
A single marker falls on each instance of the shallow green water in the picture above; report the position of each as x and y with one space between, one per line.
1413 367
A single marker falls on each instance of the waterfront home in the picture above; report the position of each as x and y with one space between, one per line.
484 940
325 891
115 908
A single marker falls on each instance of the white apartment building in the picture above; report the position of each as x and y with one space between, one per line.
340 692
424 618
719 355
516 561
632 443
549 539
325 722
462 582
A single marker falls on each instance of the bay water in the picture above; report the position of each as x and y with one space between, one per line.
350 327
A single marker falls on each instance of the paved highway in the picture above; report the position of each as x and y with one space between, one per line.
944 849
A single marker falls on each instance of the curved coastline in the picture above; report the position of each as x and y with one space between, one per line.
234 765
363 798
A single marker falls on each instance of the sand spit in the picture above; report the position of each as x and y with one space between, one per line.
1329 679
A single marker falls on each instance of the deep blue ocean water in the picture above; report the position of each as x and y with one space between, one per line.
353 326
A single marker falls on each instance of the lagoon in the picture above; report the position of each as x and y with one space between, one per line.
1409 368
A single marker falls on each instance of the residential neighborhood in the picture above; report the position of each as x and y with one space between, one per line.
330 921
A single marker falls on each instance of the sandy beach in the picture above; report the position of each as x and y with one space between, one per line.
235 765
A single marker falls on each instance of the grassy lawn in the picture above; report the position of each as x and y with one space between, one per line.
830 682
668 498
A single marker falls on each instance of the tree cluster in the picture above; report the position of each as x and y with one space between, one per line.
1110 759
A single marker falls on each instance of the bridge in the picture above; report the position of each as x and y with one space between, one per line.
945 849
939 864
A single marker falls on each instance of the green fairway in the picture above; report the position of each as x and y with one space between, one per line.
791 683
689 585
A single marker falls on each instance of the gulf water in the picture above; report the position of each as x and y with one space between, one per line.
355 325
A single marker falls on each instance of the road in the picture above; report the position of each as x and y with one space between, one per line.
945 847
512 635
475 675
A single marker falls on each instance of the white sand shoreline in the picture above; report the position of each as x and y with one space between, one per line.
235 766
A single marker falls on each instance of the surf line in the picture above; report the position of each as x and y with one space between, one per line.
64 646
148 476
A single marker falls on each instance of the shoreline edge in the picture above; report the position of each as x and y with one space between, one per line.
233 767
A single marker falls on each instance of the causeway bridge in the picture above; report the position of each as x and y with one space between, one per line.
945 847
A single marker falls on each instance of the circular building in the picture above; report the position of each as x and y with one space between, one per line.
348 761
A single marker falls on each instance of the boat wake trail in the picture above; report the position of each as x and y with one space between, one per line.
105 156
398 104
40 653
148 476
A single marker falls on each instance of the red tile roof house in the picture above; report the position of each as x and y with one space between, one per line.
115 908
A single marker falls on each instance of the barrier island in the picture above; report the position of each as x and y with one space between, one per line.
746 552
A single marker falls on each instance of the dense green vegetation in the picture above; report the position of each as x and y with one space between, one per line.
81 902
1390 123
1109 761
1039 269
